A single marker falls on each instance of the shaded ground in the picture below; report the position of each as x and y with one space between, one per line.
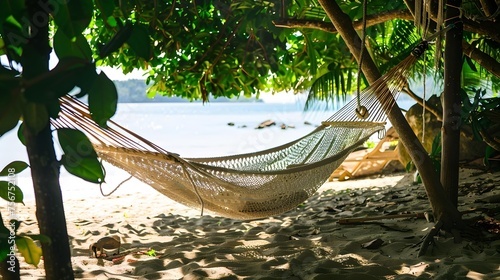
307 243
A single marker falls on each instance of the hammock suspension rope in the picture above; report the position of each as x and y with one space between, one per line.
361 111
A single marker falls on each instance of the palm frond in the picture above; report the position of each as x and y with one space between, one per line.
330 89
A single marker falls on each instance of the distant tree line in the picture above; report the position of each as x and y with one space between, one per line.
134 91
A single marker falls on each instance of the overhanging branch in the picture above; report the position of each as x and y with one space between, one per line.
328 26
489 29
483 59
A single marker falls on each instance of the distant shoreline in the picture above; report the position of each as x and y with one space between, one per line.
166 99
134 91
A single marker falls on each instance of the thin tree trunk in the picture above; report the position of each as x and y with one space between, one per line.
49 204
441 205
42 158
450 130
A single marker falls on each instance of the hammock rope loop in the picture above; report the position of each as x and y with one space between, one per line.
420 49
381 134
115 189
361 111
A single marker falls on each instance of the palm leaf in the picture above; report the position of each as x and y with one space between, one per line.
330 89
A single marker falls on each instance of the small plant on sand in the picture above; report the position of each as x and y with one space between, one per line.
151 253
435 156
369 144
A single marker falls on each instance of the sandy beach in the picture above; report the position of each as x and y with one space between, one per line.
161 239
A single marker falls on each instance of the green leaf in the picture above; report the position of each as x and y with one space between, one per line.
20 134
80 158
88 169
14 167
75 143
140 42
409 166
117 41
105 7
10 112
11 192
66 47
311 52
151 253
86 79
11 7
61 80
487 154
4 240
103 99
2 47
72 17
29 250
40 237
53 108
36 116
470 63
436 146
111 21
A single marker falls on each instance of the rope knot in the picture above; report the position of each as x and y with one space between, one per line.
362 112
420 49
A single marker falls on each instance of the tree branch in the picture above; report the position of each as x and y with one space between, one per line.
489 29
488 7
328 26
483 59
485 28
432 109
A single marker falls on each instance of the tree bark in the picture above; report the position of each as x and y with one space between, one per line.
483 59
328 26
9 269
49 204
41 154
488 6
441 205
450 130
486 28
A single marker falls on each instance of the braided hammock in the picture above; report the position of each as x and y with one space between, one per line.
253 185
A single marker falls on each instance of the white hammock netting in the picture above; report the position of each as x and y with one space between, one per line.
245 186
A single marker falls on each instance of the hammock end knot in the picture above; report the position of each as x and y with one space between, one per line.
362 112
420 49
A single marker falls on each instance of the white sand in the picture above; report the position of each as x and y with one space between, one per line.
306 243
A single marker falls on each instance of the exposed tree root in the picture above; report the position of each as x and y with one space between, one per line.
459 230
429 238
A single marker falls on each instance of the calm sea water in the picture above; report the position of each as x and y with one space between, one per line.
188 129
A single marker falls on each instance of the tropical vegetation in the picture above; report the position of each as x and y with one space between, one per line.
196 49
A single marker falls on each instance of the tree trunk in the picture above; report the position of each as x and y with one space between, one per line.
441 205
450 130
49 204
9 268
42 158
